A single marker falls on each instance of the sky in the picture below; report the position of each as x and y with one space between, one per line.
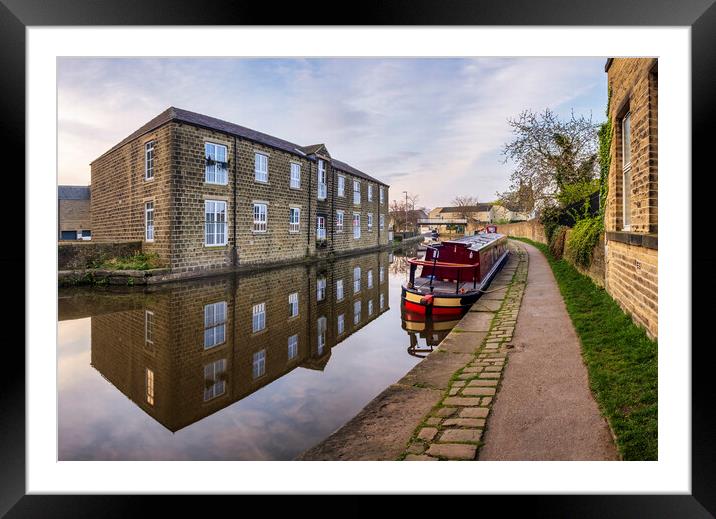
434 127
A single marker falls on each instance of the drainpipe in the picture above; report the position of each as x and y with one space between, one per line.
310 177
234 258
331 217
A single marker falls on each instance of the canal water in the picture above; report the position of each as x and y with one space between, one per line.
257 366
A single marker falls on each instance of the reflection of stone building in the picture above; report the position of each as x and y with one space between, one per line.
196 348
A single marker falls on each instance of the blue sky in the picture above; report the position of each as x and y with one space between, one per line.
433 126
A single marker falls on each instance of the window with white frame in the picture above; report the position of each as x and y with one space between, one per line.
370 192
295 176
320 289
382 195
356 226
381 273
214 379
258 321
381 221
293 304
259 364
370 278
356 192
294 219
150 386
382 301
260 167
339 221
322 183
626 171
292 347
214 324
320 227
341 189
216 165
356 311
260 217
339 290
149 327
321 326
370 307
149 221
215 229
356 280
370 222
149 160
341 324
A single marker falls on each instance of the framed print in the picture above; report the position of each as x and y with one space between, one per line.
428 235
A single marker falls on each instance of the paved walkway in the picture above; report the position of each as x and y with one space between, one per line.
544 409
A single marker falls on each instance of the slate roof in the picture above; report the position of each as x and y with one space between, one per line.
212 123
479 208
73 192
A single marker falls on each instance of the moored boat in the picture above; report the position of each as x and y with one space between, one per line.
453 274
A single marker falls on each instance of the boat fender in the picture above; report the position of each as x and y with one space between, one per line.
427 300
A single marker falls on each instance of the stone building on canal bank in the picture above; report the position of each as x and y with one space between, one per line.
73 213
206 194
631 215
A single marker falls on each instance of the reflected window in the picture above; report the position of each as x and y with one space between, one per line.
341 324
150 386
259 368
382 196
356 312
370 222
382 301
370 193
321 289
258 322
370 278
293 304
381 274
214 379
339 221
356 192
214 324
341 186
356 226
149 327
292 347
149 221
356 280
339 290
370 307
381 221
321 325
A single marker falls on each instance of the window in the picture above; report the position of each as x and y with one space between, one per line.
381 273
626 170
258 322
295 176
339 290
341 186
322 187
214 379
322 325
320 227
341 324
320 289
356 226
370 307
216 166
370 278
356 312
381 221
356 280
382 195
293 304
339 221
370 222
214 324
150 386
215 231
149 160
294 220
260 217
259 368
260 167
292 347
382 301
356 192
149 221
370 193
148 327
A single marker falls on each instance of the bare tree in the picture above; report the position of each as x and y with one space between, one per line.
467 206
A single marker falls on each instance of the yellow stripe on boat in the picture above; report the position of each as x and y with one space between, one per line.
446 301
413 298
414 326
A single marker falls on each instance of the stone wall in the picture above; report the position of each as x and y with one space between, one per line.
531 229
77 255
597 266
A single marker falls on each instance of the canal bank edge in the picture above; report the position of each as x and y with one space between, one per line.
438 410
77 277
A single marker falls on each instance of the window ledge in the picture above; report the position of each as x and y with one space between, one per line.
640 239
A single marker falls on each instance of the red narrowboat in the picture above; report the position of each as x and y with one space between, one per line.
453 274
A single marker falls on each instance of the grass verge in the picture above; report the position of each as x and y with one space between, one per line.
620 358
137 261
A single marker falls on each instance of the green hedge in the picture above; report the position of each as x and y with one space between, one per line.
582 240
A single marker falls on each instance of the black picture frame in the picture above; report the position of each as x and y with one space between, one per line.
700 15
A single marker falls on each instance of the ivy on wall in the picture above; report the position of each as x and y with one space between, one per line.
605 135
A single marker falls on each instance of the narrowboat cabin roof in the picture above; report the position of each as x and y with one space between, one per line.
477 241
